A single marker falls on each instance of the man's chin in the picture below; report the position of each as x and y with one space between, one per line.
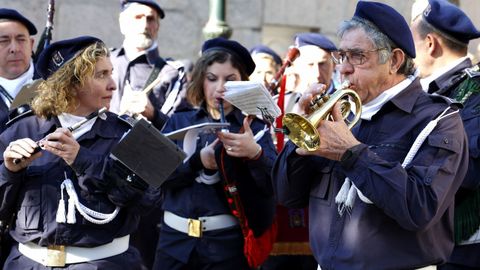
140 42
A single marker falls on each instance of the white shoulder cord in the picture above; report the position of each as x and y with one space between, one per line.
347 194
73 202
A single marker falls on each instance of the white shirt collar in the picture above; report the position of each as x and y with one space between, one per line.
14 86
67 120
425 82
371 108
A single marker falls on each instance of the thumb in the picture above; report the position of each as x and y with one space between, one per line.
214 143
337 112
246 124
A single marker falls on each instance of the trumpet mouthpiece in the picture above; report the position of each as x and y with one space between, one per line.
345 84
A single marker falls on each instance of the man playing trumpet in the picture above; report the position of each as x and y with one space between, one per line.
378 200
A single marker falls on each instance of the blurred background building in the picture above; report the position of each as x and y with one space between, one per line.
271 22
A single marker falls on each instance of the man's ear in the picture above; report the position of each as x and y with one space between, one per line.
398 57
432 43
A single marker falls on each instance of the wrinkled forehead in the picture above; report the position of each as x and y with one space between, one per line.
312 53
355 39
9 26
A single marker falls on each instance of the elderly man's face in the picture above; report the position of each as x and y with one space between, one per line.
369 79
265 68
314 65
15 49
139 24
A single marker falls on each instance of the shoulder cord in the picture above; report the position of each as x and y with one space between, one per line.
73 202
347 194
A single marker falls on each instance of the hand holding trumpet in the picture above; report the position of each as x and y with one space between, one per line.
334 134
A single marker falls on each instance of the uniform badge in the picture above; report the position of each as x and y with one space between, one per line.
427 10
58 59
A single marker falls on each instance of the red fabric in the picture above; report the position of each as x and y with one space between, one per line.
287 233
257 249
281 103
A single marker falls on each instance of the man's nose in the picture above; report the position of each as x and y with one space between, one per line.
345 68
13 47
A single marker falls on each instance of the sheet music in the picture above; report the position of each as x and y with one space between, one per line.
249 96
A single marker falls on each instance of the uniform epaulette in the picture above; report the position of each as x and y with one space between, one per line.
130 121
18 113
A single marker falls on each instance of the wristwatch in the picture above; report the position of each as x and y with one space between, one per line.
351 155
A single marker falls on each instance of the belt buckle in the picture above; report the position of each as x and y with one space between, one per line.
194 228
56 256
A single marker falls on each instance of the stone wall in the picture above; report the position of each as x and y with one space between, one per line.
273 22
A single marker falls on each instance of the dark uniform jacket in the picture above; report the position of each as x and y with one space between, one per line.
465 254
410 223
137 73
187 198
33 194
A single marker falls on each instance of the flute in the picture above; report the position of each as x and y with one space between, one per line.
72 128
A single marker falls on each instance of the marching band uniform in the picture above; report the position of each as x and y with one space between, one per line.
410 223
452 81
43 225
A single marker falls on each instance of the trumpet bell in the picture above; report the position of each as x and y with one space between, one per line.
301 132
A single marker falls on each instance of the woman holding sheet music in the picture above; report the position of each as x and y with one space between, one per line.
205 219
69 206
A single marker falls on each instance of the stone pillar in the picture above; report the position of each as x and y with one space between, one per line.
216 25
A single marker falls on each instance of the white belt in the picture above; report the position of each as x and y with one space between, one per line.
195 227
431 267
59 256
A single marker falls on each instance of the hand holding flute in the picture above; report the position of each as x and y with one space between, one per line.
20 153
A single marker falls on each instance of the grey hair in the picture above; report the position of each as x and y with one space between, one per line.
379 40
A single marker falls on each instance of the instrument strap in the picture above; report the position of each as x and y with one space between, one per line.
6 94
159 63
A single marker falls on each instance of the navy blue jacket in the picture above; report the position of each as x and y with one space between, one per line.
468 254
33 193
188 198
410 224
137 73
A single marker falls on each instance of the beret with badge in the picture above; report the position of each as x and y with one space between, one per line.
11 14
58 53
315 39
266 50
232 47
450 20
150 3
389 22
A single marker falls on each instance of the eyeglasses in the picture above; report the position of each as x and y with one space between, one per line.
353 57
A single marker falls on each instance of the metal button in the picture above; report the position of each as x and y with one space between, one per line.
445 140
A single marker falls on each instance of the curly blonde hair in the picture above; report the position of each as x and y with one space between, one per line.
58 94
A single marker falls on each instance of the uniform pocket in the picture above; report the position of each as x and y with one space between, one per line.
28 217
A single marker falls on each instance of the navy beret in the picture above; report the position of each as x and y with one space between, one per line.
231 47
315 39
450 20
150 3
389 22
266 50
11 14
58 53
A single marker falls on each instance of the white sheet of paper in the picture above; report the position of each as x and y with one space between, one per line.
249 96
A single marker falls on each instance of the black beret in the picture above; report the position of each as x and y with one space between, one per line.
266 50
11 14
58 53
231 47
450 20
315 39
150 3
389 22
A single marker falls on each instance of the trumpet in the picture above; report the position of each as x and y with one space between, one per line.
302 131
